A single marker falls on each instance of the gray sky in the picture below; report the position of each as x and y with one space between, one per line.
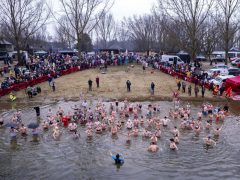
128 8
120 9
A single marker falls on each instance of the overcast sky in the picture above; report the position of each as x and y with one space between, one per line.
120 9
128 8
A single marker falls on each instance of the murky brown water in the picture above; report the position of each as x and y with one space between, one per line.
84 159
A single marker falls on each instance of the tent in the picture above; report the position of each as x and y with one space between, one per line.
234 83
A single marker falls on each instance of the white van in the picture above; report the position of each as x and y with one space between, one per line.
13 54
222 72
221 54
219 80
170 59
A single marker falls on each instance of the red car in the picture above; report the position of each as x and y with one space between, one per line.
238 65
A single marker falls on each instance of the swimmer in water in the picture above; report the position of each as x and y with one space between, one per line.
216 131
175 131
146 133
176 139
196 129
154 139
45 125
173 145
208 141
153 147
208 125
89 133
135 132
129 124
99 129
56 132
72 126
23 130
128 139
114 130
158 133
13 134
117 158
76 135
165 121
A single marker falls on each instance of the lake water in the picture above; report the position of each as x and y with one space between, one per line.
90 159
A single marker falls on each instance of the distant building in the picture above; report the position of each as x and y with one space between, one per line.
5 47
115 49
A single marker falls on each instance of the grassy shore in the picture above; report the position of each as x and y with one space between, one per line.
112 86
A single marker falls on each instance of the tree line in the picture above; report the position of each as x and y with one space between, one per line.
195 26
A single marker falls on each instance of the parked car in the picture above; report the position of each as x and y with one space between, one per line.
219 80
216 72
238 65
220 66
218 59
201 58
234 71
235 62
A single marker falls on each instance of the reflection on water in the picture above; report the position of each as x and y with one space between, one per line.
83 158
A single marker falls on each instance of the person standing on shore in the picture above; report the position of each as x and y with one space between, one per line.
183 86
189 90
144 68
128 85
53 85
97 81
152 88
203 91
196 90
90 85
179 85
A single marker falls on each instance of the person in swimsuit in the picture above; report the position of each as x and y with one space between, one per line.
209 142
173 145
153 147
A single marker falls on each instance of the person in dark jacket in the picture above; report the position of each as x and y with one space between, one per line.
196 90
97 81
90 85
128 85
152 88
203 91
37 109
179 85
189 90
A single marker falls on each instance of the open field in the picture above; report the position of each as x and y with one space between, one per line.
112 86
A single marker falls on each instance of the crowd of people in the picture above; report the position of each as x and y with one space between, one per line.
52 66
128 120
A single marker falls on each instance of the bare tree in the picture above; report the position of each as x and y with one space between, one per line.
210 35
228 11
123 34
22 19
191 14
106 29
143 30
83 16
65 32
